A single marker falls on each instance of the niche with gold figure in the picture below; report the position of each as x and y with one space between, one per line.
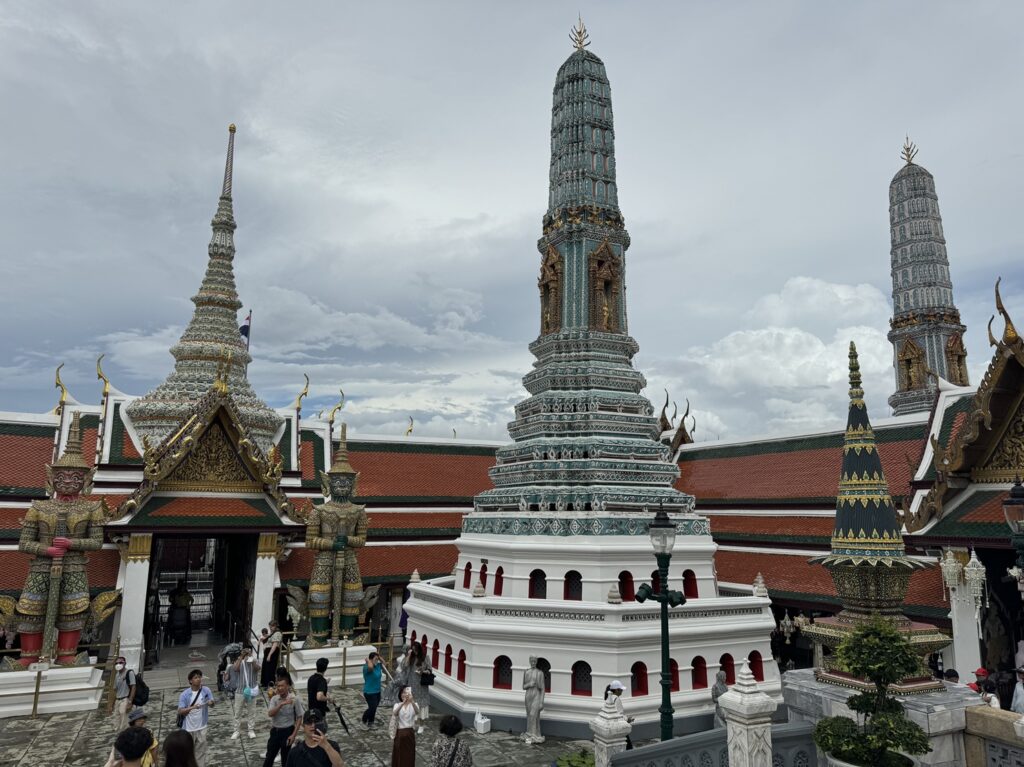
911 366
550 284
605 271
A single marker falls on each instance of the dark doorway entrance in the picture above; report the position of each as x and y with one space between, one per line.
201 589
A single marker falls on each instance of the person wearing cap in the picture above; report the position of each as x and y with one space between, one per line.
615 691
316 750
124 692
136 719
1017 705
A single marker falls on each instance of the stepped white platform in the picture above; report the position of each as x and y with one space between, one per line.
302 663
78 688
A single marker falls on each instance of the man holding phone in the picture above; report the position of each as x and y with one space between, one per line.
317 750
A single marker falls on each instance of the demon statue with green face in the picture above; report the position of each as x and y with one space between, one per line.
335 530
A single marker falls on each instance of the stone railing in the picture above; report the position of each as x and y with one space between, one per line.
990 739
791 747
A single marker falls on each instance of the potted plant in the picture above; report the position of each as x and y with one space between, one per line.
878 652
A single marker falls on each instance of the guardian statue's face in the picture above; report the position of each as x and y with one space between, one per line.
341 486
68 482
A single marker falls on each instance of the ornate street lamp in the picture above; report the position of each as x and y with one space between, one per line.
663 538
1013 510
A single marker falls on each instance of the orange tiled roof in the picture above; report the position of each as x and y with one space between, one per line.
809 475
383 562
386 474
794 575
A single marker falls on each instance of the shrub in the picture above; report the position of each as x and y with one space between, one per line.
878 652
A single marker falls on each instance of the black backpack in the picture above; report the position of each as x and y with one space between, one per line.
141 691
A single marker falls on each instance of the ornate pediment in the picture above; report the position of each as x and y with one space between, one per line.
210 452
212 466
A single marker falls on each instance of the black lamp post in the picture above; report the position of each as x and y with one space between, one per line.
663 538
1013 510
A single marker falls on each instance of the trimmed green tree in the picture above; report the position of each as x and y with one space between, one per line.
878 652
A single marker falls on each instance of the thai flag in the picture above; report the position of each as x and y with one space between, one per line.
245 328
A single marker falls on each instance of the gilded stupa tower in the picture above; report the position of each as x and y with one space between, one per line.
210 344
926 332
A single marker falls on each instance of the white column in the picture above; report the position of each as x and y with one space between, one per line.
610 730
748 721
264 583
966 647
133 598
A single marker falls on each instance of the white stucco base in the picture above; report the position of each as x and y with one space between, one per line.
60 690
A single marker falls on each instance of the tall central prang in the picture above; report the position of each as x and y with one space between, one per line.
586 439
550 559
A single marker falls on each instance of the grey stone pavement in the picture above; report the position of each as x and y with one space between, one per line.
84 739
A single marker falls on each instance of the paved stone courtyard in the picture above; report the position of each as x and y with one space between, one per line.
84 739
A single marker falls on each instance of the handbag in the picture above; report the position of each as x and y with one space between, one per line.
181 717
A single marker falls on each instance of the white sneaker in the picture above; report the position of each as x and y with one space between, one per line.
235 734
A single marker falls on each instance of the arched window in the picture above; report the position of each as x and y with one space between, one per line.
626 590
656 581
448 660
673 670
460 669
435 654
582 683
499 581
467 575
502 673
538 585
699 673
544 665
573 587
483 576
756 665
689 584
726 664
638 679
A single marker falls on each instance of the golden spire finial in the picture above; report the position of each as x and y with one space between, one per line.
578 35
101 377
909 151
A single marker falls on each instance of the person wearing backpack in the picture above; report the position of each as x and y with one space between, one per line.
124 693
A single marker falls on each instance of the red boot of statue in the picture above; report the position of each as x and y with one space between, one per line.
67 647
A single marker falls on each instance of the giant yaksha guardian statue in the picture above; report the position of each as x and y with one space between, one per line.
335 531
58 532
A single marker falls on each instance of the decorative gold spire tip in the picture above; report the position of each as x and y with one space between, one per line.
579 36
909 151
855 391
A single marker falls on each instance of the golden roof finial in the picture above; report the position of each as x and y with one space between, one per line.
909 151
1009 331
297 404
59 384
578 35
336 408
101 377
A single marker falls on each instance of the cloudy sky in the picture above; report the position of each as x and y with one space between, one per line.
391 174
